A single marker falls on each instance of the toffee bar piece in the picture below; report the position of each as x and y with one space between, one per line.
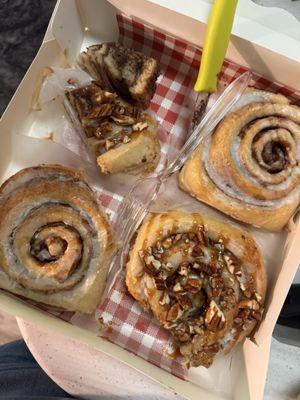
128 72
121 136
56 241
203 280
249 168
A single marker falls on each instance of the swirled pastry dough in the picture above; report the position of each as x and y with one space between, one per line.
249 168
56 241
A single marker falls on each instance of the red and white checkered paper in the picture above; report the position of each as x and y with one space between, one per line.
130 326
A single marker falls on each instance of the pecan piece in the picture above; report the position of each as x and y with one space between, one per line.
201 236
126 139
167 243
217 285
106 127
183 270
258 297
214 317
165 299
257 315
177 288
159 283
109 144
174 313
125 120
139 126
197 251
151 265
182 332
177 237
252 304
184 301
104 110
194 284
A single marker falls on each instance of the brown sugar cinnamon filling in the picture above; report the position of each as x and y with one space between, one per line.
57 247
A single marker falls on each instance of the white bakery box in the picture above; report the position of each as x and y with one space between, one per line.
267 41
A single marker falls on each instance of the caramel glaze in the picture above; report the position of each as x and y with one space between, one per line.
224 301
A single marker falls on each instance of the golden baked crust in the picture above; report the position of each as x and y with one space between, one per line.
56 241
203 280
140 155
249 169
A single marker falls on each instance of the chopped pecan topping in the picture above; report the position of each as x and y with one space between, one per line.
104 113
197 291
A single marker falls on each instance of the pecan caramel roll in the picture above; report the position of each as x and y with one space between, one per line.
249 168
122 138
203 280
56 241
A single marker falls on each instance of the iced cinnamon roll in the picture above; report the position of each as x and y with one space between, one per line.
249 168
203 280
56 241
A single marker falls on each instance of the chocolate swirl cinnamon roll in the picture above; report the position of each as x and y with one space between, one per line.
249 168
203 280
56 241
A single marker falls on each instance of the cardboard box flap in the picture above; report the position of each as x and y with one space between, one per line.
252 46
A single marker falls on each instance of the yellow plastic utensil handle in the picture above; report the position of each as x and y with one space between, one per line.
215 44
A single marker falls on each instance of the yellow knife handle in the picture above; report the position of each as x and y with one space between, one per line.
215 44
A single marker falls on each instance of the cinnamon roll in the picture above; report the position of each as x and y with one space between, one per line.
56 241
203 280
249 168
122 138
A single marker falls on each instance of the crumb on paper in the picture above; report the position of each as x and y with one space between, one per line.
170 351
50 136
66 52
103 326
72 81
